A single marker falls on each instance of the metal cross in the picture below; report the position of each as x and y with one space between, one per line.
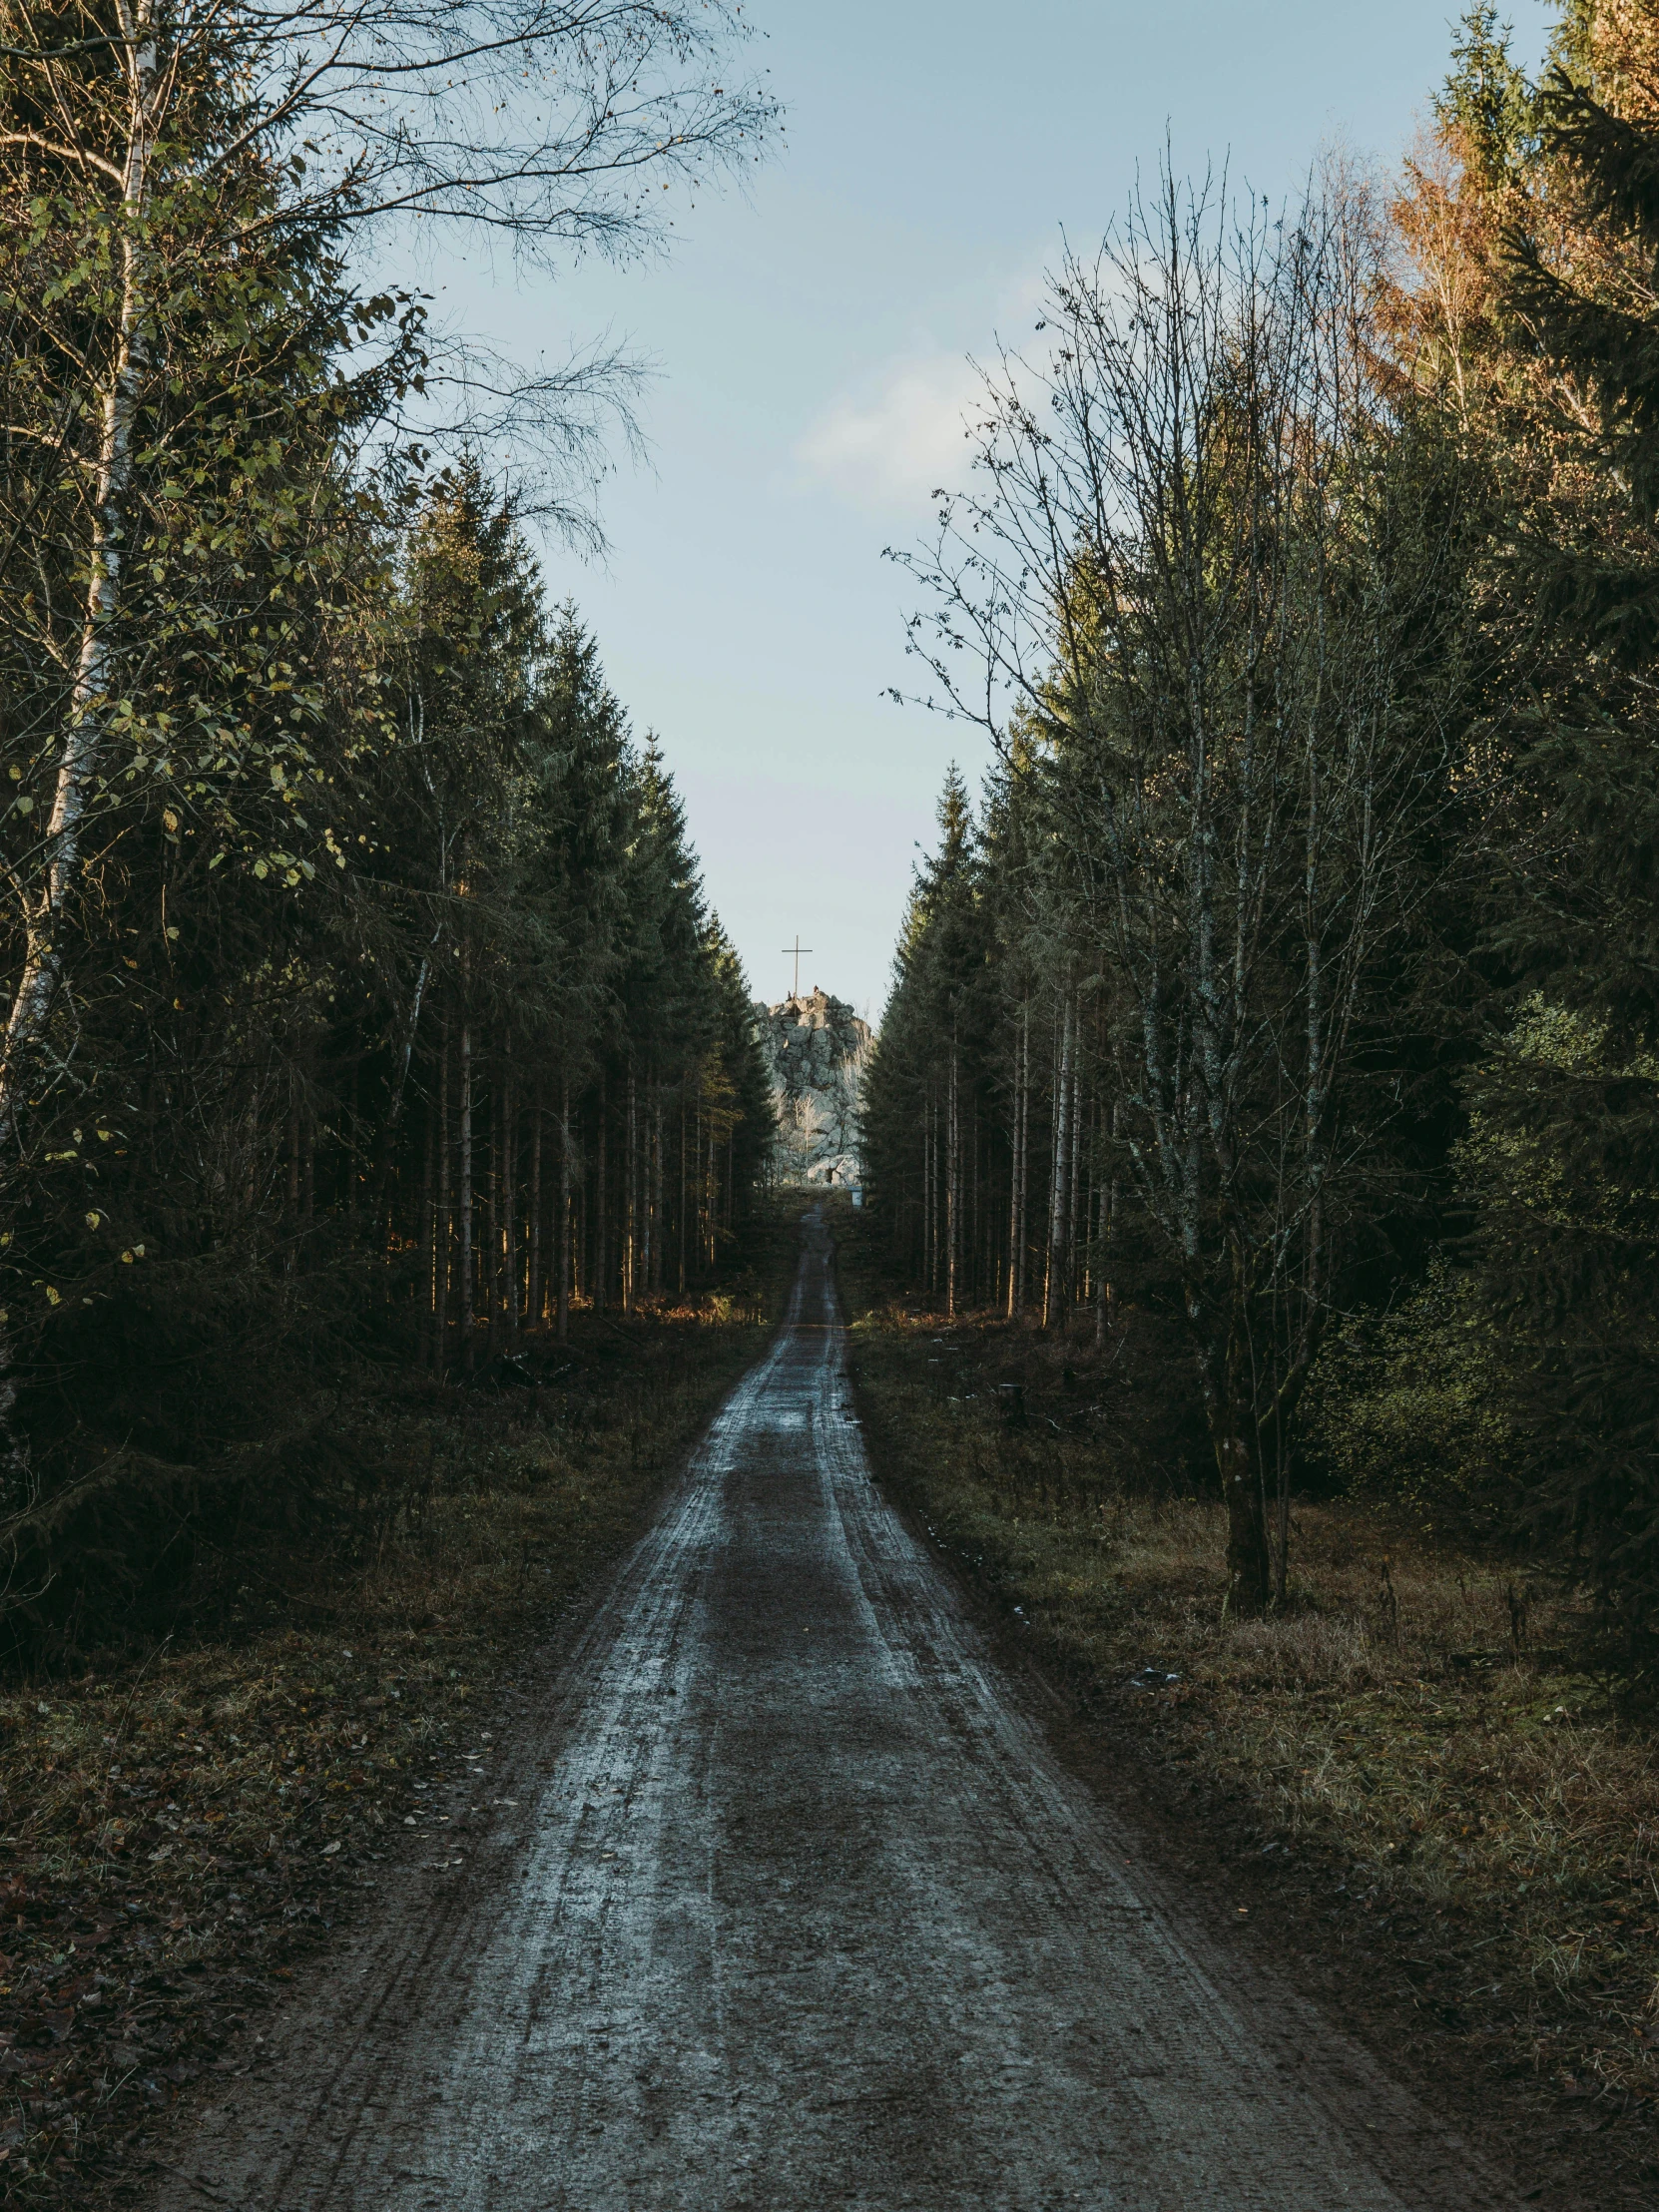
797 949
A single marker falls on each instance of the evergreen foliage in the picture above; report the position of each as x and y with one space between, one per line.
1411 1244
366 1011
1565 1156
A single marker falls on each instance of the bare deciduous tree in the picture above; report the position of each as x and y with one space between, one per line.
1199 587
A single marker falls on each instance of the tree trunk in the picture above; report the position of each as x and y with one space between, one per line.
930 1197
96 680
629 1195
293 1149
533 1290
463 1300
351 1119
426 1239
564 1210
394 1108
697 1180
1055 1288
659 1271
1108 1227
1073 1176
953 1183
581 1257
444 1233
1017 1224
601 1259
491 1269
682 1222
975 1239
1249 1563
648 1196
509 1204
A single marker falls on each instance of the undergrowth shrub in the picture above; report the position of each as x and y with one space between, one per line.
1408 1409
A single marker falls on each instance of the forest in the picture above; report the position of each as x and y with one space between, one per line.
1279 1022
366 1010
612 1597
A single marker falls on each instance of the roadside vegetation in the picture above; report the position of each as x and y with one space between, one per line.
1409 1754
1283 1009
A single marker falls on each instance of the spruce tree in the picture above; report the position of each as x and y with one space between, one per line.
1563 1157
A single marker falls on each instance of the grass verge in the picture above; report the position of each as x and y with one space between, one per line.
1406 1755
175 1831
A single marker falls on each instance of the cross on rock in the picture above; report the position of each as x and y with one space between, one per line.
796 948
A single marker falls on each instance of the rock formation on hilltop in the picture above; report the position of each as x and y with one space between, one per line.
816 1049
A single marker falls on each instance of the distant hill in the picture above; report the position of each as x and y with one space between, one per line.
816 1049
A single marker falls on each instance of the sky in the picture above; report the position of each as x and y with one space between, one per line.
812 336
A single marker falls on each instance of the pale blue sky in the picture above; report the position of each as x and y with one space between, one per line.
811 338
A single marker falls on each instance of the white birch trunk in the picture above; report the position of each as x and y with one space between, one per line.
37 989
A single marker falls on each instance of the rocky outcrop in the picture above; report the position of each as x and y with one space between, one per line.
816 1049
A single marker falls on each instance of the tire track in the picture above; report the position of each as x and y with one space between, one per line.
800 1912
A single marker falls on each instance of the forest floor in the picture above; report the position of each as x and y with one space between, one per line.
1451 1833
178 1831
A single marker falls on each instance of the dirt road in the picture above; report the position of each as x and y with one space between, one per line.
793 1909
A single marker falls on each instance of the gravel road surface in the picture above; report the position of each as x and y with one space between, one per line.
791 1907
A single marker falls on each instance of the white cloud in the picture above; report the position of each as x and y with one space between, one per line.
890 444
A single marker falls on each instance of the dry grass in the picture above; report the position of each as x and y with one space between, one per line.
173 1832
1409 1732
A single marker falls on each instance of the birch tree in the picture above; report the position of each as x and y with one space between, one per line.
158 163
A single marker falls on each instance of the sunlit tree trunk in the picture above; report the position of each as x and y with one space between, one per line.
95 679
